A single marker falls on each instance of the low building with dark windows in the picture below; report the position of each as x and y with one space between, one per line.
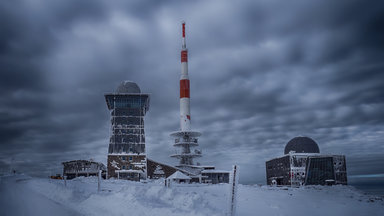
213 176
303 164
77 168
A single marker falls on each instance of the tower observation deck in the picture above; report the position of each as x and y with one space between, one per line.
185 139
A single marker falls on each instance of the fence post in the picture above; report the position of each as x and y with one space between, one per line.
65 181
99 181
233 184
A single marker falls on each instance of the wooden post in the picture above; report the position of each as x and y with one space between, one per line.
65 181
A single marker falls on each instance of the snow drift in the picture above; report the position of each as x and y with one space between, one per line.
23 195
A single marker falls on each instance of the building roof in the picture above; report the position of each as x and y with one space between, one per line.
215 171
176 168
82 162
178 175
302 145
127 87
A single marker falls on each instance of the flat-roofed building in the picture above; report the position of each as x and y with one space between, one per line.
303 164
77 168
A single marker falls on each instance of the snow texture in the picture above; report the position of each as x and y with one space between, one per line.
159 170
178 175
115 164
23 195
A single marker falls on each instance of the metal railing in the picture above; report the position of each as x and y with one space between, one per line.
190 140
195 152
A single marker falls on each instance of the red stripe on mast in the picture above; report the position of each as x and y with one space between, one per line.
184 56
184 88
183 30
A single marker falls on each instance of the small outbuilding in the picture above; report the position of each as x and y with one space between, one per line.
178 177
213 176
77 168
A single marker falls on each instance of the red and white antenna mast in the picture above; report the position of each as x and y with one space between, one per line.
185 112
185 138
184 44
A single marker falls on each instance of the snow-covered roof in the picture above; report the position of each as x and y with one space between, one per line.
82 165
128 87
176 168
128 171
203 166
190 170
178 175
215 171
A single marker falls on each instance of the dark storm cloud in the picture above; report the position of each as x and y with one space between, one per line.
261 73
27 38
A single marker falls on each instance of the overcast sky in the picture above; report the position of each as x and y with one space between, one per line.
262 72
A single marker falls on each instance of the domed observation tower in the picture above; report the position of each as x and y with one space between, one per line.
301 145
302 164
126 152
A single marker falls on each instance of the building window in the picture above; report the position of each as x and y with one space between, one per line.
130 158
123 158
130 167
123 167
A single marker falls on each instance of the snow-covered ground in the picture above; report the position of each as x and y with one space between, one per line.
23 195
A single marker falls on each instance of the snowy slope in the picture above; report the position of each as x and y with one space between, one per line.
22 195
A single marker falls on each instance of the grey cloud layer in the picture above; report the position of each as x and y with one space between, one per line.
261 73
